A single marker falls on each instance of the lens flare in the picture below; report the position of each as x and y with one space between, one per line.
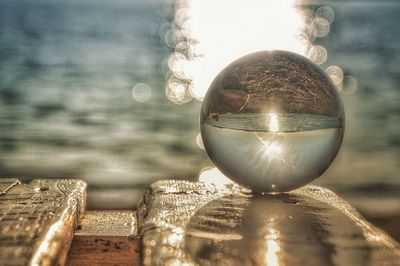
326 12
141 92
318 54
335 73
350 85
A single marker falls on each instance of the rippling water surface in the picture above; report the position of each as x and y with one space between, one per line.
70 105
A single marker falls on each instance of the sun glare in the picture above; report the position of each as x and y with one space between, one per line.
208 35
211 34
272 122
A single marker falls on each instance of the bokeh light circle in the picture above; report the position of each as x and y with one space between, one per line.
141 92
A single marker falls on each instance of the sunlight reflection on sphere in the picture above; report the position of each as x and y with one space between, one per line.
326 12
350 85
335 73
272 121
318 54
141 92
320 27
199 142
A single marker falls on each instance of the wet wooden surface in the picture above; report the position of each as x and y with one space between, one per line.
105 238
186 223
37 220
192 223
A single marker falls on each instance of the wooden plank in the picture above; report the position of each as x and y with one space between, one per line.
105 238
190 223
37 221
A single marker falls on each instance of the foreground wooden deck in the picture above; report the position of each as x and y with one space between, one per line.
186 223
37 220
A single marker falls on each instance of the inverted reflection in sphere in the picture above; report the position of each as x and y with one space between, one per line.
272 121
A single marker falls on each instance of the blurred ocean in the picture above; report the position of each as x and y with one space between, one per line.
67 70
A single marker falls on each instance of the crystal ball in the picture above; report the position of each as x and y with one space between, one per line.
272 121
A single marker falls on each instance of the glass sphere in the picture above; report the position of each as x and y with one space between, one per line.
272 121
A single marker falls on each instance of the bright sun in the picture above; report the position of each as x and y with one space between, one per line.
215 33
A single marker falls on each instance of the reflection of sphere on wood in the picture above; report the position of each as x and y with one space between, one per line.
272 121
289 229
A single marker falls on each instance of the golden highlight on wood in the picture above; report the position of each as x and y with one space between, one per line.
37 220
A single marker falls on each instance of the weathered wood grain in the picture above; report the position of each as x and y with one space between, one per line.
190 223
105 238
37 220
